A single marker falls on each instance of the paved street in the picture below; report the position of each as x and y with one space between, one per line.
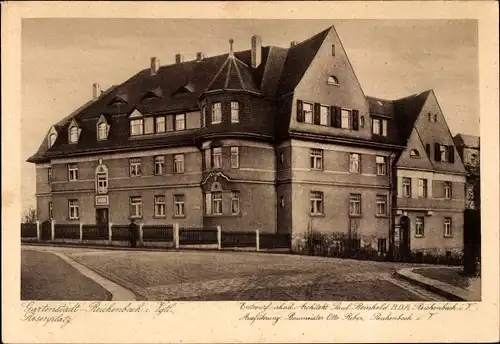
45 276
205 275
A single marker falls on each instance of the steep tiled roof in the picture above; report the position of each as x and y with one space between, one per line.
468 141
406 112
298 59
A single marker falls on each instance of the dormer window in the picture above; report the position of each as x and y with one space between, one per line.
414 154
119 100
332 80
73 134
379 126
52 139
153 94
136 123
102 128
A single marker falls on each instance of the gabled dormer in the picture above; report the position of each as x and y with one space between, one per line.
187 88
155 93
119 99
74 131
136 122
102 129
52 136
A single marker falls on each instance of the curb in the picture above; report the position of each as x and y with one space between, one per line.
444 289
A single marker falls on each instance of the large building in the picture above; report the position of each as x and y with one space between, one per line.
270 138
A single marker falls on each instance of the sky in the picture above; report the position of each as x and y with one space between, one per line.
62 58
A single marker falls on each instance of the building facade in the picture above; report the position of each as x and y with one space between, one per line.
277 139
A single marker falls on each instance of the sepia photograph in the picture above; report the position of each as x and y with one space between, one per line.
250 160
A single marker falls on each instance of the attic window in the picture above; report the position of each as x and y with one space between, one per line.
188 88
119 100
52 139
73 134
332 80
414 154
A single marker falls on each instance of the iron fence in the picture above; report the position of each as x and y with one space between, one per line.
28 230
66 231
95 232
274 240
238 239
158 233
120 233
197 236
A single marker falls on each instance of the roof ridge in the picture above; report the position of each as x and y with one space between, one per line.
414 95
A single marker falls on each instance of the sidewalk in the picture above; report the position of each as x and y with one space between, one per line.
445 281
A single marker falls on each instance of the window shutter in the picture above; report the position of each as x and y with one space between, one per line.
317 117
337 112
355 120
332 116
300 111
437 153
428 149
451 154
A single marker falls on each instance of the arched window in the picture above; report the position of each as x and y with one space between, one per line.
332 80
414 153
52 139
101 179
73 134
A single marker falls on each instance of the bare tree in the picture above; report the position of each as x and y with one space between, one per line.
29 215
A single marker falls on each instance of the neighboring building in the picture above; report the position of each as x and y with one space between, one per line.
276 139
468 149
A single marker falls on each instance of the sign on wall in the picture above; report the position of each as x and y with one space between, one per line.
101 200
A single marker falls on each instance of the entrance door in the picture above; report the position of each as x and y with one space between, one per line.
404 239
101 215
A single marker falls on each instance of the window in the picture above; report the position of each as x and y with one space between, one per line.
422 188
217 157
135 167
217 203
308 112
208 204
316 203
136 127
102 131
381 163
74 209
235 157
73 171
102 182
435 118
447 190
235 202
179 210
235 112
208 158
355 205
414 154
160 206
282 158
135 207
382 245
49 175
316 157
443 152
362 121
216 113
52 139
50 210
159 165
180 122
282 201
333 49
203 115
379 126
419 226
160 124
344 119
179 163
447 227
73 134
382 205
324 115
430 117
354 163
332 80
406 187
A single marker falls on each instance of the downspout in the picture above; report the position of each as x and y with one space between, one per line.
391 214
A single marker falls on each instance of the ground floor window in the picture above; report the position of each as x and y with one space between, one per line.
217 203
355 204
135 207
382 245
74 209
447 227
316 202
235 202
160 205
179 207
381 205
419 226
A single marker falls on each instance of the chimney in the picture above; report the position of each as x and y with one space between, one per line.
179 58
155 65
199 56
256 51
293 43
96 91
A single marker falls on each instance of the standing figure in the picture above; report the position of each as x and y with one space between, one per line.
133 233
